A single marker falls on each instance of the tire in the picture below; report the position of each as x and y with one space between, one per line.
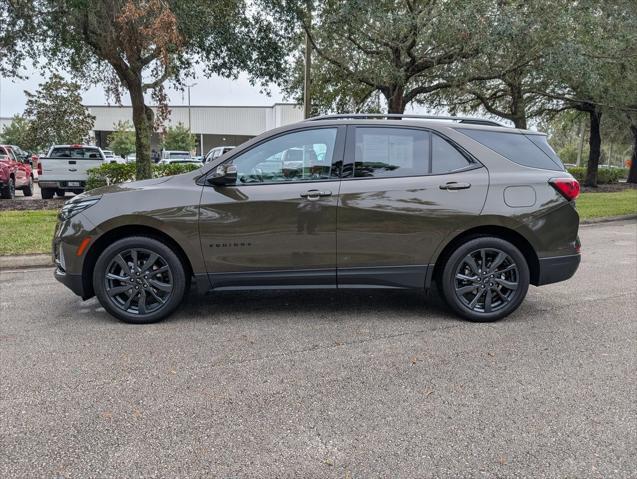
60 193
140 301
28 190
47 193
506 285
8 191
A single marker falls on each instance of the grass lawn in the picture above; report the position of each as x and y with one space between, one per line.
597 205
24 232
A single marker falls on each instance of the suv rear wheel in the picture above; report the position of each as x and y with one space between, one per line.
47 193
28 190
485 279
139 280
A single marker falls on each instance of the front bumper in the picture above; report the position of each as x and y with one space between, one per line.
558 268
72 281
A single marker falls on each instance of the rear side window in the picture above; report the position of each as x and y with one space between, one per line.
519 148
391 152
445 157
76 153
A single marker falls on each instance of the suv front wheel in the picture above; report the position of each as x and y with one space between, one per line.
485 279
139 280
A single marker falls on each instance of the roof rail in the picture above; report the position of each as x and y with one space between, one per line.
390 116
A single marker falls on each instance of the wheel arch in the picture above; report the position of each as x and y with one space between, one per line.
502 232
125 231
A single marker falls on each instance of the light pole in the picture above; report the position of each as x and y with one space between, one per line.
189 116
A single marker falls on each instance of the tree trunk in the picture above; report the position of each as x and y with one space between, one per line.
520 123
595 144
396 100
632 173
143 120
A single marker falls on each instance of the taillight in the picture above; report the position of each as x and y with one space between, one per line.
39 168
567 187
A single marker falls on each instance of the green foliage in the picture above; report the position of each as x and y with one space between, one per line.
605 176
114 173
18 132
179 138
122 140
56 114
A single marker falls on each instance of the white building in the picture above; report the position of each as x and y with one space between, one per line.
212 125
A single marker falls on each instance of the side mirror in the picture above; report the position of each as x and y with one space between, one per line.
223 175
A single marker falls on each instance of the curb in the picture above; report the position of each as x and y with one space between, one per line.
608 219
25 261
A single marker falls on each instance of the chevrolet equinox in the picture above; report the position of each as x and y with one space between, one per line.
343 201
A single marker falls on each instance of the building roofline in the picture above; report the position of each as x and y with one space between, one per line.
201 106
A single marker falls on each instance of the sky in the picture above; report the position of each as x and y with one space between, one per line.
207 91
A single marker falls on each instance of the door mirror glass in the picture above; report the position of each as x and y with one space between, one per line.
223 175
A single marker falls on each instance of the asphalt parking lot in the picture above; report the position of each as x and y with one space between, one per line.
326 384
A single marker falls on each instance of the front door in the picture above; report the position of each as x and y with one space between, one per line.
403 192
277 225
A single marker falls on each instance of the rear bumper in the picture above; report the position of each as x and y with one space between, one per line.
557 268
61 185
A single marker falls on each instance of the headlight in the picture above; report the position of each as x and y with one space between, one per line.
71 208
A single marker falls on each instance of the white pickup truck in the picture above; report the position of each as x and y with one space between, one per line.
65 168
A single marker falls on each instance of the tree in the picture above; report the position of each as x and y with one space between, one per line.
15 27
402 49
594 71
179 138
138 45
522 34
18 132
122 140
56 114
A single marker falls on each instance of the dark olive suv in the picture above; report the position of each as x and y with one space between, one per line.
334 202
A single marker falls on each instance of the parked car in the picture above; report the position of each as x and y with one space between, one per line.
15 174
109 156
478 209
131 158
65 168
216 152
175 155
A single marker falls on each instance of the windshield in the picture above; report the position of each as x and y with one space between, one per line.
80 153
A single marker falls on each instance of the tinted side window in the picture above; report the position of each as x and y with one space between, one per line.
391 152
298 156
514 146
542 143
445 157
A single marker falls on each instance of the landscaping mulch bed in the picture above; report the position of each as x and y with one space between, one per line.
611 188
31 205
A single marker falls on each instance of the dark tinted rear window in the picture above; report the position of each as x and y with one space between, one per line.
76 153
516 147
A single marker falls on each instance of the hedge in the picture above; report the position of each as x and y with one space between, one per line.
113 173
604 175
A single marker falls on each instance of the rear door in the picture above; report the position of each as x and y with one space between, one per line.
71 163
277 225
404 190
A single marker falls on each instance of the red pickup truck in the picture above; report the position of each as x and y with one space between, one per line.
14 174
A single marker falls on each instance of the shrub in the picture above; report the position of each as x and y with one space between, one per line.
604 175
114 173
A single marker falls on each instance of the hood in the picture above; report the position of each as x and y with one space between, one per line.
123 187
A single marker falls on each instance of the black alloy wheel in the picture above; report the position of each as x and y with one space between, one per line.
139 280
485 279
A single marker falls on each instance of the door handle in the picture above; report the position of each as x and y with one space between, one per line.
314 195
454 185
